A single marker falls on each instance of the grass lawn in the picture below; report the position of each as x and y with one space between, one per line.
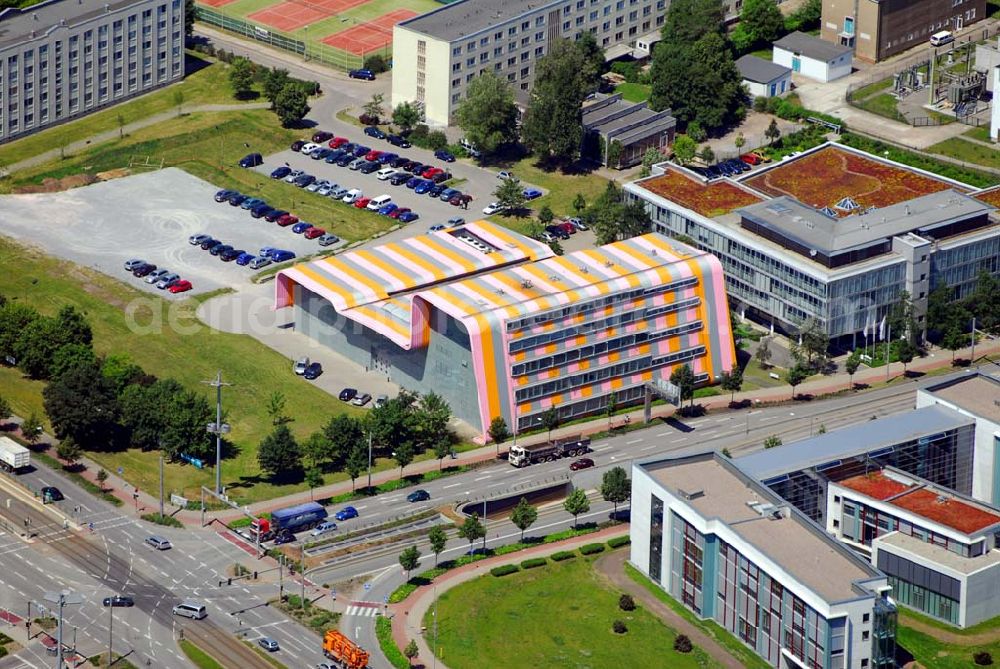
200 658
766 53
932 654
209 85
871 89
883 105
967 151
559 615
633 92
982 133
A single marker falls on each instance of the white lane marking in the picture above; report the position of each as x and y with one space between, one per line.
453 485
634 441
482 477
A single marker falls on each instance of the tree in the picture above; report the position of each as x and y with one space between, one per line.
553 126
442 448
403 455
651 157
796 375
5 410
550 420
376 63
102 478
316 450
594 62
545 215
393 422
523 516
291 105
438 539
488 114
740 141
189 15
905 351
696 132
121 372
772 441
374 107
612 219
611 407
772 133
684 149
314 479
762 21
683 378
616 487
278 453
430 420
178 99
576 504
579 204
437 140
707 155
763 353
411 651
954 339
357 460
81 404
14 319
275 82
498 431
342 432
406 116
72 355
69 451
471 530
510 195
409 560
984 303
815 341
276 404
241 78
31 429
613 154
120 119
732 380
900 318
187 413
851 365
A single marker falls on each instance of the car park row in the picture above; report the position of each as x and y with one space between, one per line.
732 167
161 277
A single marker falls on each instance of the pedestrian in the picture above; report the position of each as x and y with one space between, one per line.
91 526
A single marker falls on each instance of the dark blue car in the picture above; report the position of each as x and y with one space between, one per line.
408 216
447 157
388 209
346 513
367 75
386 158
335 155
281 255
281 172
261 210
244 258
414 182
360 150
424 186
374 131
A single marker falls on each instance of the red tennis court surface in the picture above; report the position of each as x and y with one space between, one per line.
292 15
215 3
368 36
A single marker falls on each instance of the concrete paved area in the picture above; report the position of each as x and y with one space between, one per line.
148 216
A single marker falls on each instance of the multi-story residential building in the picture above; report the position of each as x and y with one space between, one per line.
838 247
877 30
500 327
938 549
732 551
61 59
437 54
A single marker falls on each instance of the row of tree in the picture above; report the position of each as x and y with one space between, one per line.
288 97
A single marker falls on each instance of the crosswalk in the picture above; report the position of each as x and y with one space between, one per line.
363 609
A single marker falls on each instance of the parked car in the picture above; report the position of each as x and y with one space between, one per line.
415 168
298 144
193 240
751 159
367 75
347 394
399 161
362 202
274 215
557 231
220 249
300 366
304 180
436 228
321 153
356 164
424 186
531 193
577 223
568 227
308 148
413 182
337 142
387 158
251 202
469 148
441 177
144 270
209 243
244 259
251 160
312 232
324 190
764 158
51 493
418 496
398 140
328 239
224 195
167 280
399 178
385 173
293 175
346 513
547 237
345 159
446 156
301 227
281 255
380 401
369 166
582 463
388 209
436 190
181 286
338 193
360 150
119 600
396 213
430 171
449 193
506 174
493 208
313 371
352 195
459 199
374 131
236 199
456 221
268 644
407 217
259 262
321 136
261 210
334 156
373 154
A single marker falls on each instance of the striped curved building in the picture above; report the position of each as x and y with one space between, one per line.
500 326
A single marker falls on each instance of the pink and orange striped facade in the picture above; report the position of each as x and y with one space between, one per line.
543 331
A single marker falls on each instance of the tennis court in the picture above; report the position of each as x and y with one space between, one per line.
375 34
294 14
215 3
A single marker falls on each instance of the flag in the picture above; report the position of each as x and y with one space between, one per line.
865 331
881 329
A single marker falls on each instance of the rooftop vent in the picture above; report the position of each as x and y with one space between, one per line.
689 495
553 277
526 284
584 270
941 499
608 263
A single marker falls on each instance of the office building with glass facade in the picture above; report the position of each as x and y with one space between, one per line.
62 59
938 549
732 551
834 235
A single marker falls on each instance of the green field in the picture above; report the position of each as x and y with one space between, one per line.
633 92
968 151
933 654
559 615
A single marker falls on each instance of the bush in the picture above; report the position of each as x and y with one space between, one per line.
626 603
531 563
563 555
504 569
618 542
619 627
591 549
629 70
437 140
368 119
376 63
982 658
169 521
682 644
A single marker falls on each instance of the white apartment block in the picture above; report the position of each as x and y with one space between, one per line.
62 59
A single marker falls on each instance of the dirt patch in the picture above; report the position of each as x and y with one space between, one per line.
114 174
55 185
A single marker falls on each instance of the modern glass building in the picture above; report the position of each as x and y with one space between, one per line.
732 551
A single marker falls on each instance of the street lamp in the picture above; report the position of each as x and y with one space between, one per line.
369 460
62 599
218 428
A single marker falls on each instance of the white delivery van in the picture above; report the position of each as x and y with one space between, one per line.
379 202
942 38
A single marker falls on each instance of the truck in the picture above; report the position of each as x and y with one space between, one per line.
343 651
13 456
293 519
522 456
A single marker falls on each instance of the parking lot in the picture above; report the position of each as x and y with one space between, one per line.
148 216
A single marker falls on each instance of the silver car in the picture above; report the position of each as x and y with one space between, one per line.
130 265
167 281
196 240
328 239
156 275
338 192
300 366
316 185
259 262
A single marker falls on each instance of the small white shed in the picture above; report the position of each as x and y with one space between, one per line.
764 78
813 57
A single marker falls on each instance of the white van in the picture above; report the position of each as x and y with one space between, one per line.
189 609
379 202
352 195
384 173
941 38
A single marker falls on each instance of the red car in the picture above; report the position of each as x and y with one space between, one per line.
373 154
396 213
287 220
568 227
456 200
582 463
338 142
751 159
431 171
313 233
181 286
362 202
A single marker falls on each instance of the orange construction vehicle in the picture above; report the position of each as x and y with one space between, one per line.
342 650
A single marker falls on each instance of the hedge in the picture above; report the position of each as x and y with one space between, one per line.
383 632
504 569
591 549
618 542
563 555
531 563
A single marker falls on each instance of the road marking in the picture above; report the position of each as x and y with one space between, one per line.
453 485
494 485
634 441
723 420
600 448
763 418
482 477
648 448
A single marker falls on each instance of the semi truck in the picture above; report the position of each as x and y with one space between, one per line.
522 456
13 456
343 651
294 519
